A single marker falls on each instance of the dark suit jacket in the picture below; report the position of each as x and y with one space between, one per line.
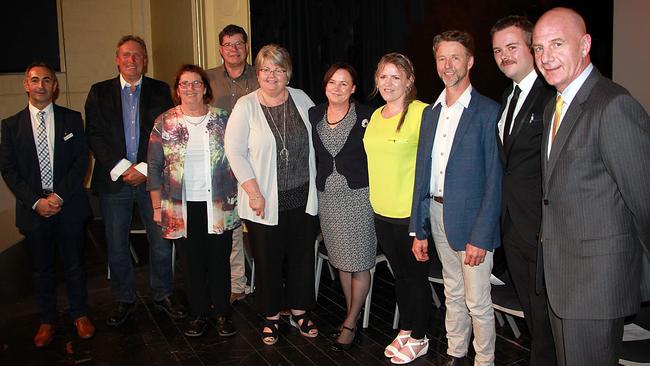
596 202
351 161
21 171
105 128
521 193
472 178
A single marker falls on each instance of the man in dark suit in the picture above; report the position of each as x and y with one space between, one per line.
519 139
43 159
119 117
457 198
596 196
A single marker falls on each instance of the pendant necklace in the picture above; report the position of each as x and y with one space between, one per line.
284 152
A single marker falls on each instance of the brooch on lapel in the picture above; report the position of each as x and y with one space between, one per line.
532 117
364 123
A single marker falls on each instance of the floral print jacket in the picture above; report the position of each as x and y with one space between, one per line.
166 157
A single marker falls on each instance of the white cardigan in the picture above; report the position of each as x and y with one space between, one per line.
250 147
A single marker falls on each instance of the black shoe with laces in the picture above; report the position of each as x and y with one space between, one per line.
195 327
224 326
172 307
120 313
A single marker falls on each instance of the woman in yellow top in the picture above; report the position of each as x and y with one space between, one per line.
391 142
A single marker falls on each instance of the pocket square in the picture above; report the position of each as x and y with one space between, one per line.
68 136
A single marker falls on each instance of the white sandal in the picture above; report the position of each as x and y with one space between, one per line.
402 358
390 351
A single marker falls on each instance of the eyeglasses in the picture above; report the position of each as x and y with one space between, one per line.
196 84
238 44
277 72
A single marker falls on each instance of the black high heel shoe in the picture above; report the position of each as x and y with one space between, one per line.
338 346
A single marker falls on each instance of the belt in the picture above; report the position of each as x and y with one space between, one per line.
438 199
47 192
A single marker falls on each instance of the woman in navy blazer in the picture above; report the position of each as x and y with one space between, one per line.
346 217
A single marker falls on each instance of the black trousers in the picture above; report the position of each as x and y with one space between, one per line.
587 342
284 262
522 263
206 264
68 238
411 277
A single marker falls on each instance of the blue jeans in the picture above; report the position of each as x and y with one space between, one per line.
117 212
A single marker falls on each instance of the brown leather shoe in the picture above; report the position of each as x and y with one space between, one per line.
44 335
85 328
236 296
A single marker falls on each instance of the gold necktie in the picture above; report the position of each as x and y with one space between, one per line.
556 118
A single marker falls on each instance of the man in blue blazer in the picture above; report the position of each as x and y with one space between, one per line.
457 198
43 159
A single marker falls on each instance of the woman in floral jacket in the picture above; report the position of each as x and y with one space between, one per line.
194 196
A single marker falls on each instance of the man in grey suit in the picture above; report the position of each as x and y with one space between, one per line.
596 200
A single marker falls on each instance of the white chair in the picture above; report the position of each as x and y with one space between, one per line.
321 256
505 300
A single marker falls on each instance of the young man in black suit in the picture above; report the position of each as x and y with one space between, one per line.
119 117
43 159
520 136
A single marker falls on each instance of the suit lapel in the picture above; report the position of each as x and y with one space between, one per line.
465 120
570 118
504 101
524 111
59 130
116 104
25 127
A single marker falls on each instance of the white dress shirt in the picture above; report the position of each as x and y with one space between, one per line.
567 97
445 132
526 85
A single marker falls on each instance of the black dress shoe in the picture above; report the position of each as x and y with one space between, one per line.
224 326
173 308
119 313
195 328
456 361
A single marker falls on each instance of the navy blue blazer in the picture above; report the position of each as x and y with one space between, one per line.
351 161
21 171
472 180
105 128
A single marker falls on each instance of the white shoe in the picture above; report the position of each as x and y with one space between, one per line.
407 354
401 339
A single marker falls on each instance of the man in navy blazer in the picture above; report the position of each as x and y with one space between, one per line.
457 198
119 117
43 159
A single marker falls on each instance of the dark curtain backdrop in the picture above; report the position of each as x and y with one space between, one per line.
319 32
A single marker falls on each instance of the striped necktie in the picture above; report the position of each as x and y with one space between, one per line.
43 151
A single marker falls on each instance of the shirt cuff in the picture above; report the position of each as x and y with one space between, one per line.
142 168
119 168
35 203
59 197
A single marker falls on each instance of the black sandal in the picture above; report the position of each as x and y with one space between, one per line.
305 328
271 337
338 346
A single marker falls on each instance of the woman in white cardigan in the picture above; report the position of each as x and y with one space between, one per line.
268 144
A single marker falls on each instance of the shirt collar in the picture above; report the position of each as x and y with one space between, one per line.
527 82
463 100
247 69
124 83
34 111
572 89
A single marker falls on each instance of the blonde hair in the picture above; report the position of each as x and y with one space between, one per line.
403 63
277 55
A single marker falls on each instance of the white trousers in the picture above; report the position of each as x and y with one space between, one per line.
468 299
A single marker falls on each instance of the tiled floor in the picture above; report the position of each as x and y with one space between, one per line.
151 338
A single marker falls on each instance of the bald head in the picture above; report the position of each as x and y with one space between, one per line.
561 46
